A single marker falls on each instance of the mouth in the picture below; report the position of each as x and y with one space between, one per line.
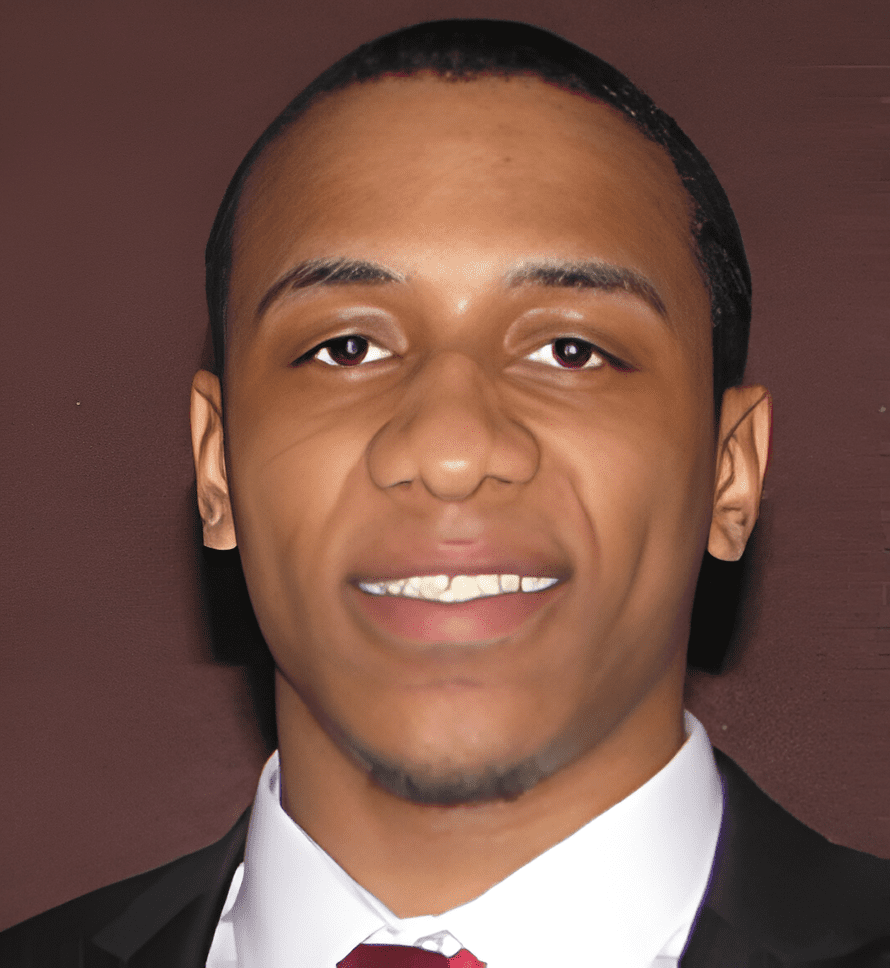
454 609
451 590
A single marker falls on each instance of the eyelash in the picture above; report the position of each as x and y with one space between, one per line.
595 357
370 347
591 358
594 353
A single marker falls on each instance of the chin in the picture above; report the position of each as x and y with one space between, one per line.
450 786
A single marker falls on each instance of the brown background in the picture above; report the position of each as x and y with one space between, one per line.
123 745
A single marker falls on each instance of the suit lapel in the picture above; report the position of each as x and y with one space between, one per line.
715 943
171 923
779 894
734 927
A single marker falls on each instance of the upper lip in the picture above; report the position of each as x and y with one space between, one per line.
451 559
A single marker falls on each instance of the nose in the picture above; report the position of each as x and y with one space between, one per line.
451 433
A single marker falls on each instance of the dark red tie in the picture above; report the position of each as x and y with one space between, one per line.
401 956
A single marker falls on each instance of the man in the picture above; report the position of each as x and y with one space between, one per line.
480 313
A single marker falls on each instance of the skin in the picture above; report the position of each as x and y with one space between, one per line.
461 444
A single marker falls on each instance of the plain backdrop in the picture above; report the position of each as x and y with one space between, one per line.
123 744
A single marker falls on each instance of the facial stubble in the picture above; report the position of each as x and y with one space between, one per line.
448 786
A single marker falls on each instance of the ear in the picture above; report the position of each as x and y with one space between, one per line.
210 462
742 454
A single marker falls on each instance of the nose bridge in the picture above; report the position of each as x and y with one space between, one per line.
454 381
451 433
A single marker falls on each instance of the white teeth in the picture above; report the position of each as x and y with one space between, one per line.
431 586
537 584
465 587
461 588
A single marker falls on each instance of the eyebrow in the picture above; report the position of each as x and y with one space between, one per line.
587 274
590 274
327 272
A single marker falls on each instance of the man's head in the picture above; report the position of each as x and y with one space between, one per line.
468 334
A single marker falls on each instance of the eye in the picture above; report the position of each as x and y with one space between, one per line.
346 351
569 353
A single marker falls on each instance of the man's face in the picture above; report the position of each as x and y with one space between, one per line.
527 392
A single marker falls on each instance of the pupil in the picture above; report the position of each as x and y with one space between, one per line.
572 352
348 350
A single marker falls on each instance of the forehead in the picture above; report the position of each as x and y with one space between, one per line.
486 169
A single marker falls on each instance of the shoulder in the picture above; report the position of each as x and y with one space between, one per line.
63 934
803 897
171 909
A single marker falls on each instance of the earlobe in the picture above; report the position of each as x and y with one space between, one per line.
210 462
742 455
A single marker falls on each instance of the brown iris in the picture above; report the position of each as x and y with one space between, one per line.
347 350
572 353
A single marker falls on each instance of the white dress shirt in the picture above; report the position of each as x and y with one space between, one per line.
622 891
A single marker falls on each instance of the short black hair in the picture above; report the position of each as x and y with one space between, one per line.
468 49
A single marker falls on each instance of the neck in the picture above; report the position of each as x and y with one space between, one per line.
414 857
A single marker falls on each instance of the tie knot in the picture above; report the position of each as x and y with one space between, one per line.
403 956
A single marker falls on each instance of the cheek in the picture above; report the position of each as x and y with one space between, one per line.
669 496
293 481
642 475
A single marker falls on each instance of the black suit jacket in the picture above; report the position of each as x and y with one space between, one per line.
780 895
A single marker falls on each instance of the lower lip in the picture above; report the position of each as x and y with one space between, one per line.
479 620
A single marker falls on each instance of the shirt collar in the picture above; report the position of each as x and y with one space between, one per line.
621 891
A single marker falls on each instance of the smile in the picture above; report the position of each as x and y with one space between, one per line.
447 590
